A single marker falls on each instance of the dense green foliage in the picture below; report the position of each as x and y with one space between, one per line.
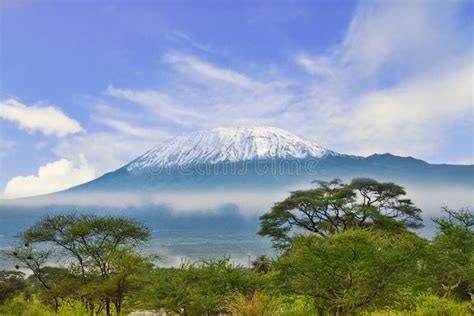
197 288
11 284
353 269
452 258
343 250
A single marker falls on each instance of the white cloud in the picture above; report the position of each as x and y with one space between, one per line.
190 65
107 151
49 120
209 95
377 44
190 41
52 177
315 65
160 104
411 118
140 132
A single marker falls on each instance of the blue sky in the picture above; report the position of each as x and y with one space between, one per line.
87 86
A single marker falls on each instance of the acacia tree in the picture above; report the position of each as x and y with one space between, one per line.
334 206
96 249
452 253
352 270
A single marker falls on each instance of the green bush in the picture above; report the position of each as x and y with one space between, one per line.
33 307
264 304
197 288
353 270
429 304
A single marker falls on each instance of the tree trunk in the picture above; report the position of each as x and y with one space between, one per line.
91 308
56 305
118 306
107 306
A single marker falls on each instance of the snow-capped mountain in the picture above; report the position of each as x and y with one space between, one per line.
256 157
228 145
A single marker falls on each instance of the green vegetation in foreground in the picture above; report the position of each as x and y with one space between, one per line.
343 249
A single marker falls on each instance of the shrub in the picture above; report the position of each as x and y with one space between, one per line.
33 307
264 304
429 304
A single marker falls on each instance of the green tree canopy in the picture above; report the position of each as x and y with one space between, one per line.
334 206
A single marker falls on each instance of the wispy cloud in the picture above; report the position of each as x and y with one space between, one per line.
208 95
412 116
186 38
128 129
191 65
160 104
47 119
316 65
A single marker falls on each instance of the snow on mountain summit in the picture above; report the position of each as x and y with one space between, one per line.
228 145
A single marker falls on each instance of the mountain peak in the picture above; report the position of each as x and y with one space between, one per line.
230 144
